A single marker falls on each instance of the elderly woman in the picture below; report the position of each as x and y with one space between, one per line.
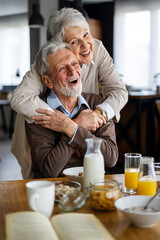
70 26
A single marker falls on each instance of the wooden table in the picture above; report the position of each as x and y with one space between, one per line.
13 199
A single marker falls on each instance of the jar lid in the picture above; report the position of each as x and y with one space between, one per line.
106 185
147 159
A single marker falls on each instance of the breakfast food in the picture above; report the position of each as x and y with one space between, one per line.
158 185
80 174
102 197
140 209
62 189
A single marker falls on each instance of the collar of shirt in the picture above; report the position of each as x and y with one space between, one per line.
85 65
54 102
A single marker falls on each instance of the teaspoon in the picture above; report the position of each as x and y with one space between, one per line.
156 195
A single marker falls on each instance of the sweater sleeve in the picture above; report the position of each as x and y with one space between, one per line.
113 88
50 150
25 98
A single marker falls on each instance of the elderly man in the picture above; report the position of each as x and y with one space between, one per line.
59 144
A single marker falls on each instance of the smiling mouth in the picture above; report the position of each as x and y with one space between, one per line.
85 53
74 81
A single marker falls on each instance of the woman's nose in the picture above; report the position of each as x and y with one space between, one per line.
83 43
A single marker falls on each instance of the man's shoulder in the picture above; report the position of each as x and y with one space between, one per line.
45 95
92 99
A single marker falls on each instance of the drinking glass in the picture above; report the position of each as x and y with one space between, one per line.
132 163
157 172
147 177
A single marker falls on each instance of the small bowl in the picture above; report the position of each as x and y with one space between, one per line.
139 219
72 202
65 187
73 174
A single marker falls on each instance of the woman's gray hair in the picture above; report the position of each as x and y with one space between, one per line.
47 49
63 19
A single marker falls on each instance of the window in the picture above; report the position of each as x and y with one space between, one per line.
158 40
14 48
136 48
137 42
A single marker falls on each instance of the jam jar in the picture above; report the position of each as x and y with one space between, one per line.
103 195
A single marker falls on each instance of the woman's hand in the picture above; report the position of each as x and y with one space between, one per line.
56 121
90 120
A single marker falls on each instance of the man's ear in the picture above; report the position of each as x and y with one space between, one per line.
46 79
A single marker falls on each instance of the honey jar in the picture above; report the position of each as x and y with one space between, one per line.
103 195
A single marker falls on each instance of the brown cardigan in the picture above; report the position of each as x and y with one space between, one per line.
50 150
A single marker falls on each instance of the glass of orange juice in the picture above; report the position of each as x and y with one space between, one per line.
147 177
132 163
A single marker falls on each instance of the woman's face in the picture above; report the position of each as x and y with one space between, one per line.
81 42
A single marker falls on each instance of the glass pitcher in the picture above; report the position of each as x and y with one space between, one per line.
147 177
93 163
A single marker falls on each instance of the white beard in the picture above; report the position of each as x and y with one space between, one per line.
74 91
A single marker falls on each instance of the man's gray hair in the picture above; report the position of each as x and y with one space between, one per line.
64 19
47 49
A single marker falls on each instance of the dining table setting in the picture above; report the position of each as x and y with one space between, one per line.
14 194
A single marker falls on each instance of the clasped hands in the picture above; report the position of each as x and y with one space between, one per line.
58 121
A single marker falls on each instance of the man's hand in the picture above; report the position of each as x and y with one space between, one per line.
56 121
90 120
79 153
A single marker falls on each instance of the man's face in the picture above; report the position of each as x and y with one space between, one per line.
65 73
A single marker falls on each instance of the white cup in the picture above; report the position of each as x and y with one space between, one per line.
41 195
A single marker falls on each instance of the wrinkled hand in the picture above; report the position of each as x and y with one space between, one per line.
56 121
79 153
90 120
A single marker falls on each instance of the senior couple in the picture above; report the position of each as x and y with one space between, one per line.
89 118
